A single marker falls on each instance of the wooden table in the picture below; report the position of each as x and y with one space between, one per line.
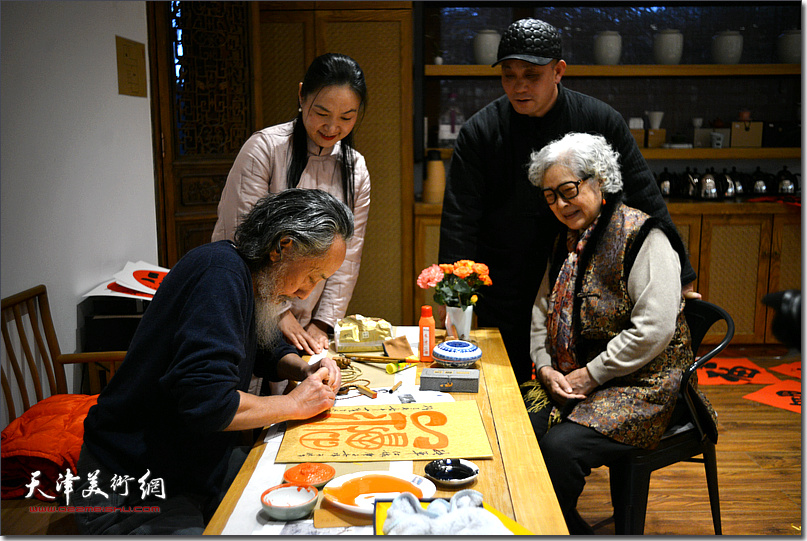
515 481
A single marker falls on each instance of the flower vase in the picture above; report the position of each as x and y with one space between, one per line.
458 321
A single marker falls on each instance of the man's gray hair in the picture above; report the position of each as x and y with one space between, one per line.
311 219
584 154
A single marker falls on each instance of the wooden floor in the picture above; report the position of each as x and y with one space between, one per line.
759 472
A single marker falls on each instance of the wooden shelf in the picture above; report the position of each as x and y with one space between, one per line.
736 153
631 70
674 206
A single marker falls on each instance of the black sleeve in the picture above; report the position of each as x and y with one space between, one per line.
266 360
639 185
463 201
209 345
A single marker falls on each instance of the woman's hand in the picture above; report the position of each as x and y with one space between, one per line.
297 336
560 389
334 378
581 381
319 333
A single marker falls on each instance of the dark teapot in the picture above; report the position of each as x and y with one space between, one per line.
692 183
725 184
741 181
708 186
761 181
786 182
665 183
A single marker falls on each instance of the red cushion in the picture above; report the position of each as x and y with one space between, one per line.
46 438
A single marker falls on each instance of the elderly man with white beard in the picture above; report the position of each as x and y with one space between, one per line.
162 441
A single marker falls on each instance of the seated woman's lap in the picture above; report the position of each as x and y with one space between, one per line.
570 452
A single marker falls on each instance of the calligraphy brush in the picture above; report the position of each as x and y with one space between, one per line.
376 359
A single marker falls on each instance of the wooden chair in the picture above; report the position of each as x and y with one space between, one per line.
32 354
683 441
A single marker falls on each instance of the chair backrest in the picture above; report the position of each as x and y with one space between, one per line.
30 346
701 316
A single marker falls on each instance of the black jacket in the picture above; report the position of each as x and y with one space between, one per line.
492 214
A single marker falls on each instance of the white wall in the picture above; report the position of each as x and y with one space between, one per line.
77 192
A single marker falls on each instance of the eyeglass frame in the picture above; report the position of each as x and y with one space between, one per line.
556 193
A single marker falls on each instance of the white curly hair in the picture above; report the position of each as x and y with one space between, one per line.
585 155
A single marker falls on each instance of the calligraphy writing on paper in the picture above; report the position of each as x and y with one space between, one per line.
795 396
363 430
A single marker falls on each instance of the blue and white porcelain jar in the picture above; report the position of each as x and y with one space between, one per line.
456 354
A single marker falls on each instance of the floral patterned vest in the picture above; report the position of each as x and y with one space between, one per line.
634 409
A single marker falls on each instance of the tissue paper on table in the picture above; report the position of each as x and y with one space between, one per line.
463 515
358 333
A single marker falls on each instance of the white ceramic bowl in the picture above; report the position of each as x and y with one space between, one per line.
289 502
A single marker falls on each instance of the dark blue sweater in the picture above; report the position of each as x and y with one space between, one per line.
195 347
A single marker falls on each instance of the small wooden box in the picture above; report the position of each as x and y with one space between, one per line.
656 138
746 134
702 138
639 136
450 380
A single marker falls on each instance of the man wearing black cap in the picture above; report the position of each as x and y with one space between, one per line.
491 211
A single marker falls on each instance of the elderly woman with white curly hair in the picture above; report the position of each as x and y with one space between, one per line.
609 338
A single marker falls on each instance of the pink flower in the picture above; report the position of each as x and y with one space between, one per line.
430 277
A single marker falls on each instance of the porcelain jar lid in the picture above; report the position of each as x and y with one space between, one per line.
456 353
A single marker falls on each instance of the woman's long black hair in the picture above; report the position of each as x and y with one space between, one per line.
330 69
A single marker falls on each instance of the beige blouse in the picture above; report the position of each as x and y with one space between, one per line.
261 167
654 284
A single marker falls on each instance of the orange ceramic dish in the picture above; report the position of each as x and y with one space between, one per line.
309 474
357 492
352 489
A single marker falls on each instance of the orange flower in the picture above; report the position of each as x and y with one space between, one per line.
463 272
481 269
447 268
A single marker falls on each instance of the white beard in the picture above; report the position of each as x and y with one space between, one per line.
268 306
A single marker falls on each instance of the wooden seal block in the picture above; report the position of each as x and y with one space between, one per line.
366 391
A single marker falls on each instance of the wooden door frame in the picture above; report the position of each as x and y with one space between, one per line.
159 92
161 70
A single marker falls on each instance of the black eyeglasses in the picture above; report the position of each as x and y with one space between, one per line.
566 191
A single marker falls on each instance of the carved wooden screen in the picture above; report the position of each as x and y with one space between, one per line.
204 111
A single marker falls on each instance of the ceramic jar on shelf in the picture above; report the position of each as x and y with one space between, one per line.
607 48
668 46
486 46
788 47
727 47
434 185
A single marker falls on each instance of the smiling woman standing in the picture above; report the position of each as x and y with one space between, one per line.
313 151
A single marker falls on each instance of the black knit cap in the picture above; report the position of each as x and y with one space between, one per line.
531 40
